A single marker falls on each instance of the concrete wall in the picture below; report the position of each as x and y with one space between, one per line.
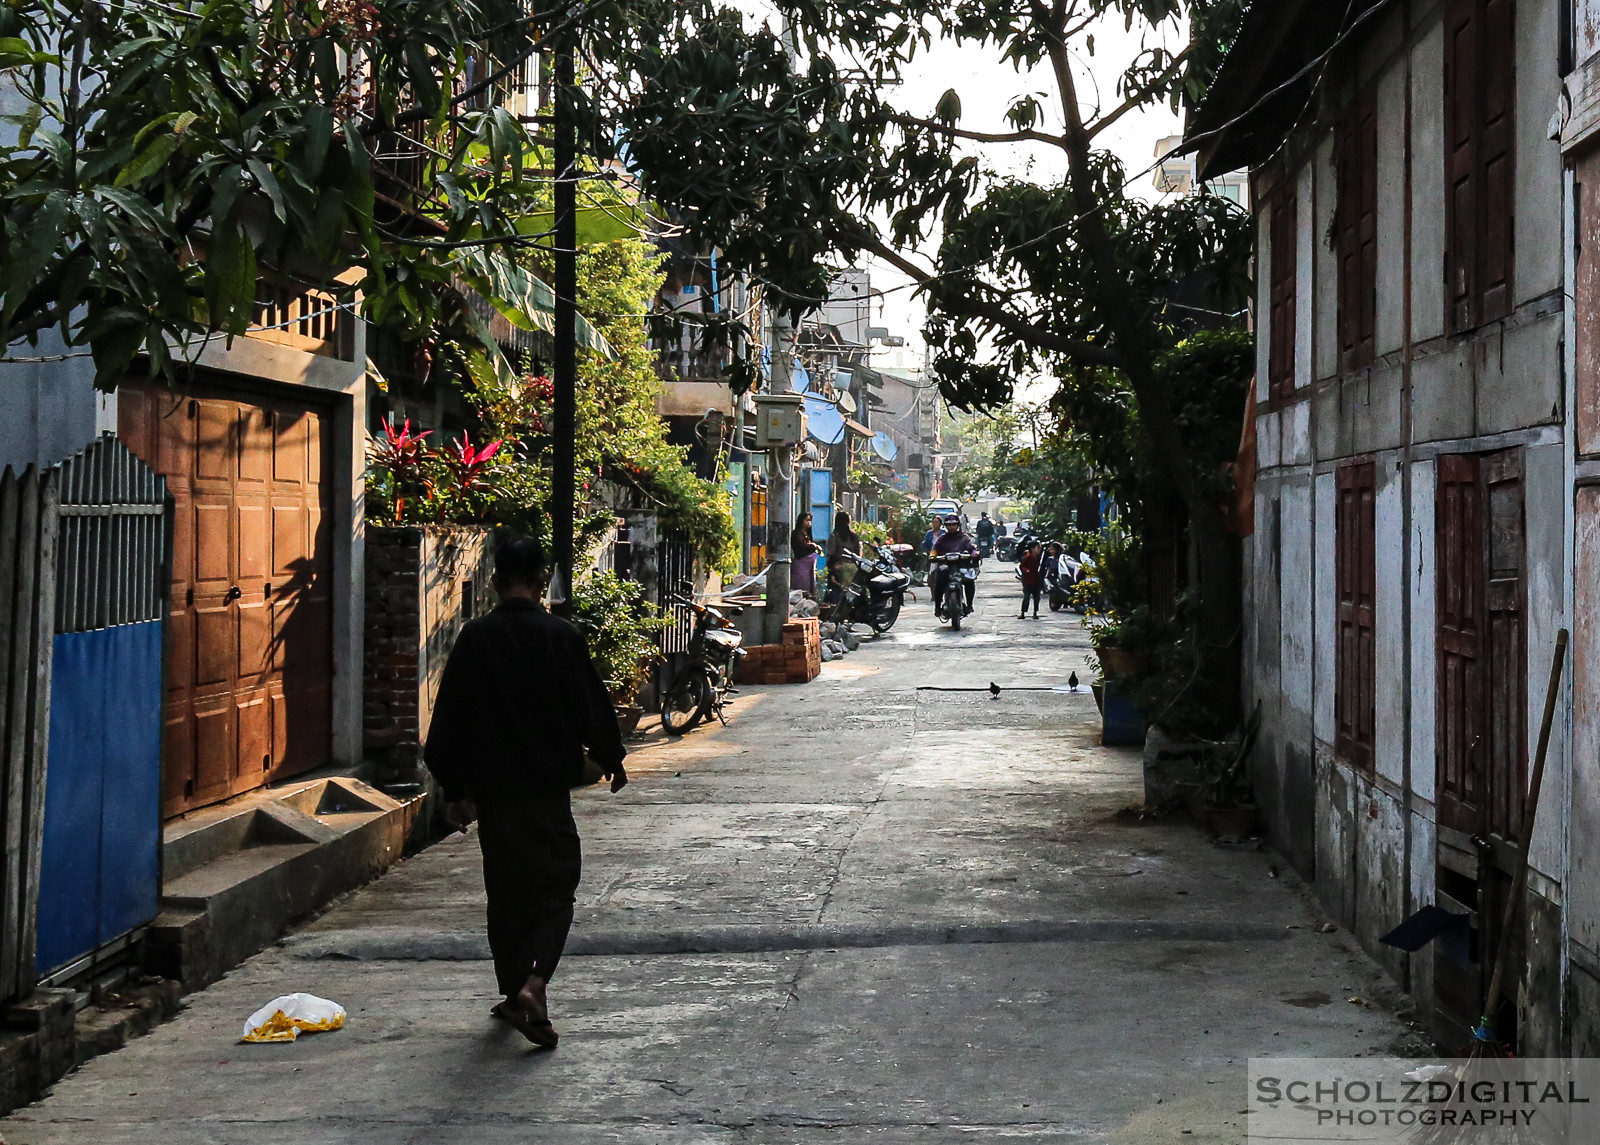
1367 839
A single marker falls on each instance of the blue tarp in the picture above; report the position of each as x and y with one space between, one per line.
100 875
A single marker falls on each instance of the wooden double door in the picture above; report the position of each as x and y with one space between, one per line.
250 650
1482 724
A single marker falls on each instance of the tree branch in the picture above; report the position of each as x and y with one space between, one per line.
933 125
1087 353
1134 102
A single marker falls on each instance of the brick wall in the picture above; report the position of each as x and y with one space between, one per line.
422 585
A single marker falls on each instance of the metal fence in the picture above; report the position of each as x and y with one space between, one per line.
100 852
113 544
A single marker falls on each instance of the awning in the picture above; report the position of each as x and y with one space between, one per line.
1267 80
858 429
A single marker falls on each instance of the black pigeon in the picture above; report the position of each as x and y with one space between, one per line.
1072 681
994 689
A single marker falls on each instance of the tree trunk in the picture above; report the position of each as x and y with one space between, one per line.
1216 554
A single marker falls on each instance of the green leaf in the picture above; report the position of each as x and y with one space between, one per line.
40 241
269 184
149 161
230 279
319 134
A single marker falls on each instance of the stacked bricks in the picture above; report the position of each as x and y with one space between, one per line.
797 660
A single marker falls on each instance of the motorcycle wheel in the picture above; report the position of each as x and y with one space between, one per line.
955 608
883 620
686 701
1055 605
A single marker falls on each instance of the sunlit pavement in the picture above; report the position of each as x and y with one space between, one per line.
860 912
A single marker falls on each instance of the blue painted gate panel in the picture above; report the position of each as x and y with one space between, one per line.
819 502
101 870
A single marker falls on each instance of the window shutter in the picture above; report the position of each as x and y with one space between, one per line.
1461 30
1496 156
1367 229
1285 239
1355 585
1356 223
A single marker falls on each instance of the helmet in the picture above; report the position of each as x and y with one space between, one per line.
951 519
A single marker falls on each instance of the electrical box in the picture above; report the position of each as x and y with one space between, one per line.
780 420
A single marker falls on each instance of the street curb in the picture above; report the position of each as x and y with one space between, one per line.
397 944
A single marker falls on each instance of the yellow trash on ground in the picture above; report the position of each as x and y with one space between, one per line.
283 1019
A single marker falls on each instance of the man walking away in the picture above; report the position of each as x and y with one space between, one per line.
518 704
1032 580
985 529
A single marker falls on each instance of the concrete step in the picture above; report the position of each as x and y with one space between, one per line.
237 876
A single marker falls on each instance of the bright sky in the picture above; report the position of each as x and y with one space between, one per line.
987 87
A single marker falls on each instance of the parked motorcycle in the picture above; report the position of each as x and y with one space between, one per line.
701 687
875 594
952 603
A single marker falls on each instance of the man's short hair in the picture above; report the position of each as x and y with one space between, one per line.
519 561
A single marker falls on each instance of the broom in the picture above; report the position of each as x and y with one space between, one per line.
1484 1040
1486 1055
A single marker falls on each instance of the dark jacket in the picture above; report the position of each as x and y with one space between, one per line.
800 542
519 701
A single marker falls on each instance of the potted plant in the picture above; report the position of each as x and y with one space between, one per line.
1223 799
621 634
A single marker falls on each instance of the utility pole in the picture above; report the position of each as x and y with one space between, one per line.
563 485
779 489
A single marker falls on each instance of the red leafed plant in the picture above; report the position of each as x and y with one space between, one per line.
403 458
470 465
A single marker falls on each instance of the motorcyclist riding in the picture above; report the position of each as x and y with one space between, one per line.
952 540
985 531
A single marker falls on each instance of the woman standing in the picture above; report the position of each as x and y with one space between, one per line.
1032 580
803 572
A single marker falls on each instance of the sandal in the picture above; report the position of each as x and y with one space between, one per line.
541 1034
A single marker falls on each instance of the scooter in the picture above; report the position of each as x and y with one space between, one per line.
701 687
875 594
952 603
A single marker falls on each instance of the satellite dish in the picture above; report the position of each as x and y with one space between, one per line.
823 420
799 380
883 445
847 402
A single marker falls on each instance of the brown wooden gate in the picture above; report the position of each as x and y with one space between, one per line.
250 658
1482 715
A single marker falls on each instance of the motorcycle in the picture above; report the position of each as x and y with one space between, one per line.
1058 585
701 687
985 546
875 594
951 604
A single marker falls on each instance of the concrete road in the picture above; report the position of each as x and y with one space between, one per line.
860 913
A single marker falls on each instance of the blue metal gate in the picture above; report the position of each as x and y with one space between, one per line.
100 875
819 502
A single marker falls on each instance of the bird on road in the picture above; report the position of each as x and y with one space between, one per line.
994 689
1072 681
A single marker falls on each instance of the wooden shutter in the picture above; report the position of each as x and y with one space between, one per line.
1355 584
1357 226
1285 240
1506 651
1458 525
1480 102
1496 154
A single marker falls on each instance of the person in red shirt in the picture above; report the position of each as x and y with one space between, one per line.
1032 580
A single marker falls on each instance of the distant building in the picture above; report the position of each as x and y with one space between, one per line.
1175 175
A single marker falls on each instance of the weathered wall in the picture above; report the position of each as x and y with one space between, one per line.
422 585
1368 839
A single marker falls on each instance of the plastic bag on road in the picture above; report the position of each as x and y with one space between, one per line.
283 1019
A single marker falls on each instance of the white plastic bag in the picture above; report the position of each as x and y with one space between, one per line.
282 1019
